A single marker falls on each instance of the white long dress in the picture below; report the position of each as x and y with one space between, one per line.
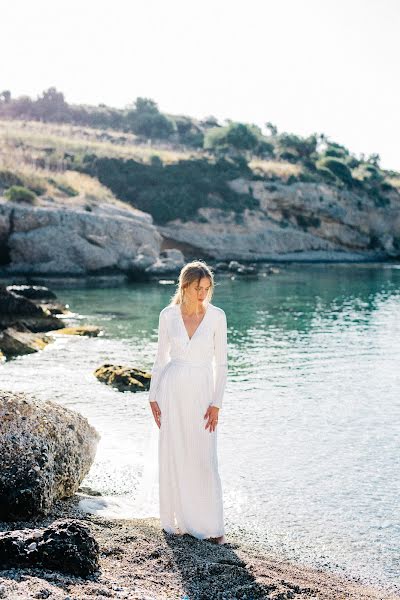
188 375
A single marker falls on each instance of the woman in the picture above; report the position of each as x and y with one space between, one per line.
186 391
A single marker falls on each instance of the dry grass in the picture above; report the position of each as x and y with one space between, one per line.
28 140
394 181
87 188
24 143
273 168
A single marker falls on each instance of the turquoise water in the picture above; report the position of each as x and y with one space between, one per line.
310 428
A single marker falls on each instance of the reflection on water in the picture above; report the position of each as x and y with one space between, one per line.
309 432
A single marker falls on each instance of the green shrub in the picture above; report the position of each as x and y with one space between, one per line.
326 174
176 190
67 189
18 193
147 121
338 168
294 147
239 137
306 221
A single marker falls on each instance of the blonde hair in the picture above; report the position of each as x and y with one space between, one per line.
193 271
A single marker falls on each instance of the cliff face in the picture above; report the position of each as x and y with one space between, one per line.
56 239
302 221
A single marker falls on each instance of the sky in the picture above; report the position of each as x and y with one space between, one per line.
307 66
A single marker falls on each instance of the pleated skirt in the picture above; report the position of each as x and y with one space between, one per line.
190 490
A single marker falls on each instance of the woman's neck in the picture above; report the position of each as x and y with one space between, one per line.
194 307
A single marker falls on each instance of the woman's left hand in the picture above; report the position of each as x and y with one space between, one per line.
212 415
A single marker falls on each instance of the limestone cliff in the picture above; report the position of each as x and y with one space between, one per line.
301 221
53 238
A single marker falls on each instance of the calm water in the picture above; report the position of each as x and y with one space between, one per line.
310 429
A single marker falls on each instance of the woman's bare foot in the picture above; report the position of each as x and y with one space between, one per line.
219 540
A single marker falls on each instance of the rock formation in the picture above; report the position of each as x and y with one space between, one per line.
46 450
66 545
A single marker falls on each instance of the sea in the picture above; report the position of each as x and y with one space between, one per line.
309 431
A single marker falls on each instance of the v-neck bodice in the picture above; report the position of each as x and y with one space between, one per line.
206 347
198 326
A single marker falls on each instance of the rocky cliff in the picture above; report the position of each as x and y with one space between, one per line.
53 238
301 221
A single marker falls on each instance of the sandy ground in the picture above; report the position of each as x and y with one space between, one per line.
141 561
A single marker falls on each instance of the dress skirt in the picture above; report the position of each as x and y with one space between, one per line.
189 482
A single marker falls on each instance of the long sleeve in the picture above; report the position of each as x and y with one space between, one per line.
220 360
162 356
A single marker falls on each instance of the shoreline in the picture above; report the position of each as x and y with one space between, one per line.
138 560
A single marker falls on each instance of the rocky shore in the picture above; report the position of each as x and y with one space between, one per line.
138 560
50 549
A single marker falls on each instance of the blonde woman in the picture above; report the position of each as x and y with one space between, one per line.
187 386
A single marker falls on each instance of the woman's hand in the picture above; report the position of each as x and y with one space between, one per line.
156 413
212 415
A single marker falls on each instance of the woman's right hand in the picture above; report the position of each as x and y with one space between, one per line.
156 413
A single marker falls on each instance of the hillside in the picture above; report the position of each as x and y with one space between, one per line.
232 193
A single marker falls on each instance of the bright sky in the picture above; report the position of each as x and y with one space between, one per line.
326 66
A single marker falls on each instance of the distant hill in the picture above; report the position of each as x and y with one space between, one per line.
193 175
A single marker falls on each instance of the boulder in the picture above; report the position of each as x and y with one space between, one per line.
124 379
57 239
41 296
15 305
66 545
46 450
18 309
19 340
33 292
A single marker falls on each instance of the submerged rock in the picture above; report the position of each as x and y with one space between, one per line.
124 379
66 545
46 450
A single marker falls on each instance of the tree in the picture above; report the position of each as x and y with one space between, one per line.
273 130
374 159
51 106
234 135
5 96
146 120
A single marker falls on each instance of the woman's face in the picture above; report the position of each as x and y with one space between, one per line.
198 291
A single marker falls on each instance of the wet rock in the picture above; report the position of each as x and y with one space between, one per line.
66 545
87 330
222 266
46 450
41 296
19 340
15 305
18 309
33 292
124 379
234 265
170 261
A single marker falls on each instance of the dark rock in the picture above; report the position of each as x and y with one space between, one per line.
125 379
33 292
17 309
66 545
15 305
46 450
221 266
18 340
